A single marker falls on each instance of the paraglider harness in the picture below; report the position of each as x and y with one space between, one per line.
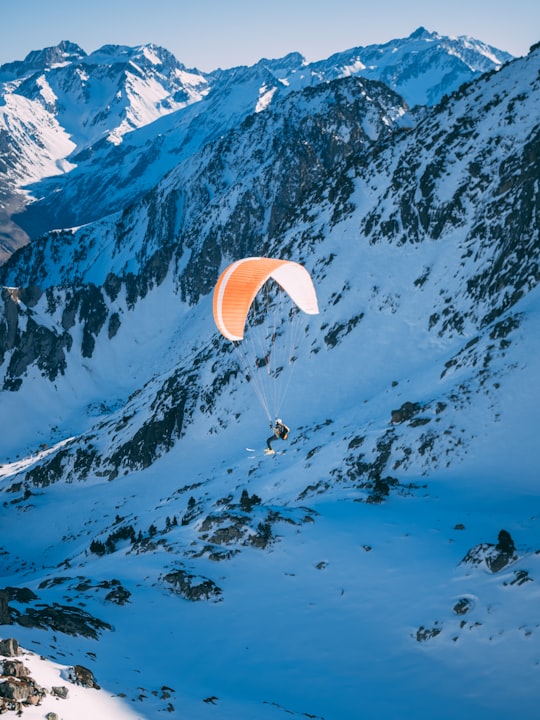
280 431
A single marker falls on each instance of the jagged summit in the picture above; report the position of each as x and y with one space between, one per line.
410 65
421 32
63 53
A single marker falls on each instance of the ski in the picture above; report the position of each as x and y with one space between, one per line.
264 452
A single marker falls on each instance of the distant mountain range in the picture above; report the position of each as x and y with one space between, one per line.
68 119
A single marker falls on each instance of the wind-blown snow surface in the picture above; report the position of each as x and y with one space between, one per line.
349 608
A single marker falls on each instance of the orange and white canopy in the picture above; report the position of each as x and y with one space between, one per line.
239 283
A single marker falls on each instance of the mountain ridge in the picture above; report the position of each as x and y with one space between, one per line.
83 143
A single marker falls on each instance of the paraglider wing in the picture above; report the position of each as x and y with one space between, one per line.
239 283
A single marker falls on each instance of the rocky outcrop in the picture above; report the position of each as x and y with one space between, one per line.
18 689
495 557
80 675
60 618
9 647
191 587
5 617
407 411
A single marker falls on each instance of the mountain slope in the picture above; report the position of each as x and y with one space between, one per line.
364 571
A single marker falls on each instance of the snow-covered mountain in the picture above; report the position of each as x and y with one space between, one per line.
67 116
61 105
422 67
387 563
88 99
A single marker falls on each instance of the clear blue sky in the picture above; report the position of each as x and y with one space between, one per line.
223 33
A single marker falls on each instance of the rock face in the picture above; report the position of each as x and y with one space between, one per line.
81 675
19 689
5 618
193 588
494 556
9 647
407 411
16 685
505 543
60 618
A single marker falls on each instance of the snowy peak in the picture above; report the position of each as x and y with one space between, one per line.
239 174
477 55
64 52
113 90
422 67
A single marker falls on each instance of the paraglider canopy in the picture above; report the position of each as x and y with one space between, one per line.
240 282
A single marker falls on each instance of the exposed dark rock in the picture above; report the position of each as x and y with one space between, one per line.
494 557
15 668
505 543
37 344
118 596
5 617
21 595
227 535
520 578
423 633
405 412
63 618
263 537
9 323
172 406
9 647
93 313
339 330
192 587
247 502
81 675
463 606
51 471
234 531
114 325
22 689
112 285
30 295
